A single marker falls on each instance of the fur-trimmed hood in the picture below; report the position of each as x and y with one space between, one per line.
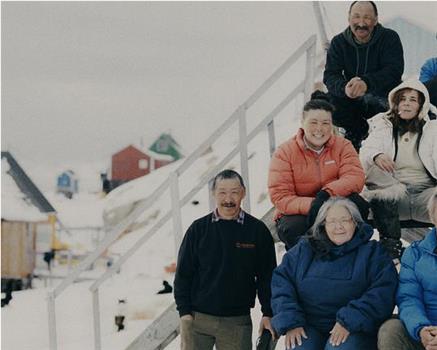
415 85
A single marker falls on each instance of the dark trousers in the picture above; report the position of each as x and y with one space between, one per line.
292 227
352 114
320 341
386 221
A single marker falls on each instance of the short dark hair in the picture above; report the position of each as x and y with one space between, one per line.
371 3
319 100
227 174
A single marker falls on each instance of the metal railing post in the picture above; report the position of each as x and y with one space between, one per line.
272 140
242 128
171 183
176 211
210 196
317 6
96 316
309 71
53 345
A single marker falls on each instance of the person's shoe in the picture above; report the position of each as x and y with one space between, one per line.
394 248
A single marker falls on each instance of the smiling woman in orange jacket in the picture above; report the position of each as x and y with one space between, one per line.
311 167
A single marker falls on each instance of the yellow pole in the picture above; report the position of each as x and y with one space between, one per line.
52 222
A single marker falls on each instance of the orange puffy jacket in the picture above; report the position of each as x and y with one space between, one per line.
297 173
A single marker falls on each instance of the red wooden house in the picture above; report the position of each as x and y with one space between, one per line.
131 163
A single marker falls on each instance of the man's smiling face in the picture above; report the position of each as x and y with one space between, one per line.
362 21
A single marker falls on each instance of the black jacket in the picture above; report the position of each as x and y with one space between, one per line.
380 62
221 266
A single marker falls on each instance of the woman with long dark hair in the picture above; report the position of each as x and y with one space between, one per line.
400 161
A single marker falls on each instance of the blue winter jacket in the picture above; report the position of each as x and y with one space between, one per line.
428 70
417 294
355 285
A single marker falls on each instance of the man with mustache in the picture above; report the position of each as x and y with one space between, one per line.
225 259
363 64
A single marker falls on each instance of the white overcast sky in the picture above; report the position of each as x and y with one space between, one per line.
81 80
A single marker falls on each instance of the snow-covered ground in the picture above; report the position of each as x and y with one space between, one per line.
24 320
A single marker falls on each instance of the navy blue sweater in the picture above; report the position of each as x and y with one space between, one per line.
221 266
355 285
380 62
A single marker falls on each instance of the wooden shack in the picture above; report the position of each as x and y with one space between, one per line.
27 220
18 244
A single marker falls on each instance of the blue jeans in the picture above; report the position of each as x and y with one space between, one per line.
320 341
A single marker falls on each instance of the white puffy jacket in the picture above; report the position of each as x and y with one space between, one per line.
380 139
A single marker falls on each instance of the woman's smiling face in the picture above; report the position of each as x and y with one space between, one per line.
317 126
339 225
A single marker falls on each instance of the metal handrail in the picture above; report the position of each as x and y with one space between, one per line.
172 183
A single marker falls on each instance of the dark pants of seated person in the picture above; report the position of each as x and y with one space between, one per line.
386 221
393 336
352 114
320 341
292 227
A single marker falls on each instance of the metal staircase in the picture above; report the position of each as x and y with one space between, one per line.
165 328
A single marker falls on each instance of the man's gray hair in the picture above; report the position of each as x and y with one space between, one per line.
432 205
318 229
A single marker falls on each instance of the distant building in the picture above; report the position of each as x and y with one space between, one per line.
67 183
419 43
27 225
135 161
166 145
131 163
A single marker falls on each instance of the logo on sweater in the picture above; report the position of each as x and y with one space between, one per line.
329 162
245 245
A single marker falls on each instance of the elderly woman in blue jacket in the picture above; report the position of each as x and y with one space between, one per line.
416 297
335 288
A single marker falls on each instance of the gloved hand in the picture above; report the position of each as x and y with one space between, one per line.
321 197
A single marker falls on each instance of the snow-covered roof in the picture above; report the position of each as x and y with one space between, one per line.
15 205
152 154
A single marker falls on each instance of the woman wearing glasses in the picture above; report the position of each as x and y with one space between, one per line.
335 288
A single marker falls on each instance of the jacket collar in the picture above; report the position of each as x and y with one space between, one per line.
429 243
239 219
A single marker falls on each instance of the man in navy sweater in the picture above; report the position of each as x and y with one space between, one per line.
363 64
225 259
